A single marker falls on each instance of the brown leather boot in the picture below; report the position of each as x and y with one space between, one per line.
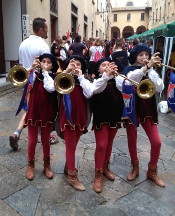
134 172
66 169
74 181
47 169
98 180
107 172
30 170
152 174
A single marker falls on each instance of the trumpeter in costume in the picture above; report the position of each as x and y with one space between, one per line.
145 109
73 118
107 109
41 112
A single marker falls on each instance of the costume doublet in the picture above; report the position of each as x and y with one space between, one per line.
144 108
78 109
107 106
41 106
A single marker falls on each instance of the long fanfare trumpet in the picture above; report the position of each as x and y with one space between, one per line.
18 75
163 65
64 83
145 89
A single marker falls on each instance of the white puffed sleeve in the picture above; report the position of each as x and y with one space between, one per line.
48 82
96 87
86 86
100 84
153 75
136 75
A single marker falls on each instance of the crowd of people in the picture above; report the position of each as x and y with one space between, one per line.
97 96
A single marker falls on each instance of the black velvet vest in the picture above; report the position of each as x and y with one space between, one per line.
107 106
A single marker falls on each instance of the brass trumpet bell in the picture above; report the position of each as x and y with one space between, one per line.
146 89
64 83
18 76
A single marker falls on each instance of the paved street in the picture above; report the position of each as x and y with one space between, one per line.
43 197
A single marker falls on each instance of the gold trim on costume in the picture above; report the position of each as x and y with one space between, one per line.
130 122
117 125
39 79
35 122
151 120
82 128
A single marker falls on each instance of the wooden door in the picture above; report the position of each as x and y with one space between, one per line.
53 28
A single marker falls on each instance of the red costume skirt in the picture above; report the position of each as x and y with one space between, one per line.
40 106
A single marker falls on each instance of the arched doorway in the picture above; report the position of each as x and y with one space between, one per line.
140 29
127 31
115 32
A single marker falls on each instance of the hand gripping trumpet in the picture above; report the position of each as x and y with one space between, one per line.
145 89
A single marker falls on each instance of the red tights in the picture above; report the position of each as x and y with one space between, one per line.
154 138
104 140
33 139
71 138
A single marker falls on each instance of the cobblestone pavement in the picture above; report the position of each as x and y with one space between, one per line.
43 197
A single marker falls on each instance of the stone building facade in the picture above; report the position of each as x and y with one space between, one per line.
88 18
163 11
129 17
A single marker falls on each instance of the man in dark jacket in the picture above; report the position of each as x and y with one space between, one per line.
119 56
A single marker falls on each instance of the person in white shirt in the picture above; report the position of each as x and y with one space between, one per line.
29 49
